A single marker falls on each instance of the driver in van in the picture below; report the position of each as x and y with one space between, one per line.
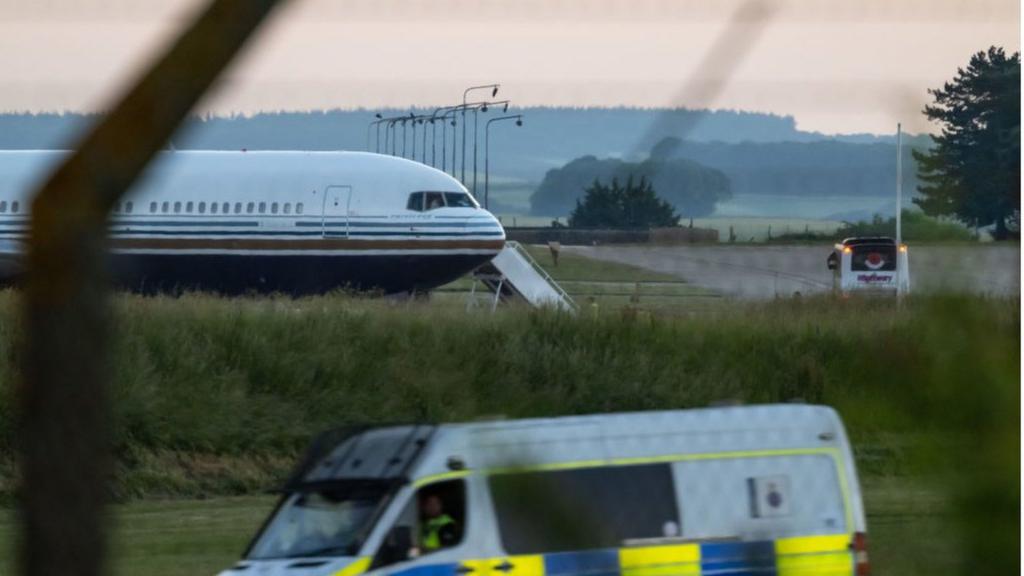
437 529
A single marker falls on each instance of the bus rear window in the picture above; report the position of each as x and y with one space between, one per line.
873 257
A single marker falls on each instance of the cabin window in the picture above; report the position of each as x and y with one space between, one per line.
226 208
3 206
273 208
188 207
250 207
612 504
177 207
116 208
202 207
459 200
298 208
152 207
14 206
238 207
213 207
287 207
263 207
165 207
448 498
128 206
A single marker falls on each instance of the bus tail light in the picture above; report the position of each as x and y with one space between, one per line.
859 546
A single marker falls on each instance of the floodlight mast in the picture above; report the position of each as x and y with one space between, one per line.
465 93
487 152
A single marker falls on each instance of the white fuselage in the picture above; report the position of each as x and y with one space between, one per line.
294 222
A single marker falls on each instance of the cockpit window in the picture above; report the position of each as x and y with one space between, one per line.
459 200
425 201
318 523
415 202
434 200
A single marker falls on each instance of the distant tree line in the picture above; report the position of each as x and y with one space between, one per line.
690 188
759 153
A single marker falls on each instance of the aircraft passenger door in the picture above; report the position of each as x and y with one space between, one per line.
335 213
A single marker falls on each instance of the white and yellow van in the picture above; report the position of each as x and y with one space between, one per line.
737 490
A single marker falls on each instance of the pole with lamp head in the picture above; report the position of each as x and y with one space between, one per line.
487 152
465 94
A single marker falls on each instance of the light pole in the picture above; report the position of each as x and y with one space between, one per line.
465 94
487 152
370 126
482 108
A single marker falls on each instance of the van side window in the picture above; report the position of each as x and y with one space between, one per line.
433 200
434 519
585 508
415 202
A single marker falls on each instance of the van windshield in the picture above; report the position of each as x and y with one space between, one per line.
318 523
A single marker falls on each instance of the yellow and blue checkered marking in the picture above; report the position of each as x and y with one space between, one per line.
826 555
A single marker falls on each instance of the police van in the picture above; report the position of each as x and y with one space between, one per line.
731 490
869 264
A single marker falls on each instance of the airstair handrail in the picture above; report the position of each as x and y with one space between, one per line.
547 277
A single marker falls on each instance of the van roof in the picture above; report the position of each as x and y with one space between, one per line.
408 452
858 240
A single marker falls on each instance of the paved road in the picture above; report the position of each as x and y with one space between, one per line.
757 272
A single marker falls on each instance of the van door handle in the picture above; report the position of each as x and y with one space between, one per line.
505 566
463 569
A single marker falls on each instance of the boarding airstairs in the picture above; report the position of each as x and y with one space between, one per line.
514 274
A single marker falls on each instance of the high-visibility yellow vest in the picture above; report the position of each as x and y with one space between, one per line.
430 539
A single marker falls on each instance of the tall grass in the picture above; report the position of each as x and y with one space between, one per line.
218 394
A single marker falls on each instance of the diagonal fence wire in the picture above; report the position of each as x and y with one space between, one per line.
64 404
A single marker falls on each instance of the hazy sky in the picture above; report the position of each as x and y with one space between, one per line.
836 66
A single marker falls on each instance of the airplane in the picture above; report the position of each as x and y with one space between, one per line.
297 223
